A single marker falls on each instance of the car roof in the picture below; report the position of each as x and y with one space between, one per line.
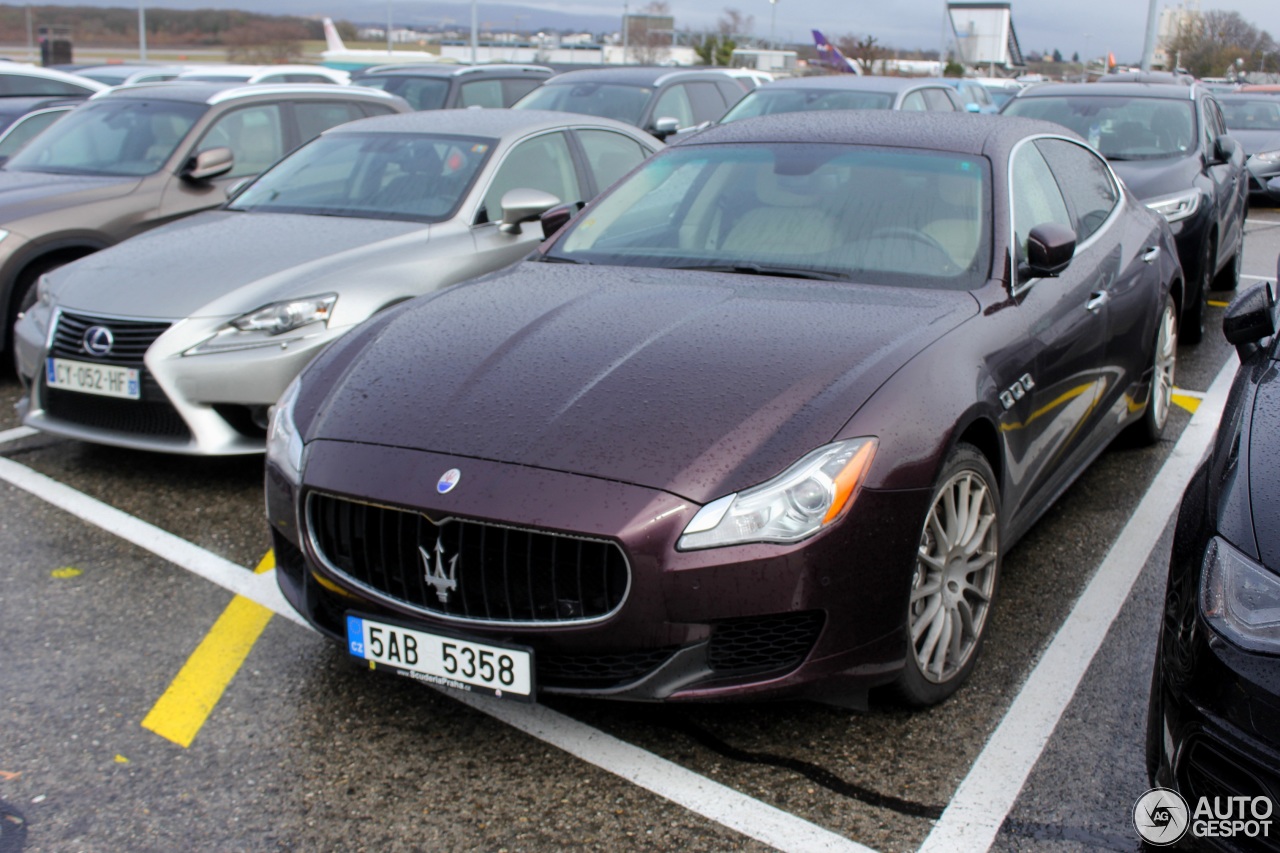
493 124
852 82
23 69
448 69
635 75
1171 91
202 92
963 133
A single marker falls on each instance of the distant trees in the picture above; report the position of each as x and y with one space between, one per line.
119 26
717 48
265 43
649 33
1209 44
866 51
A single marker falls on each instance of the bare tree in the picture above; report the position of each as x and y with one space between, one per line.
1209 44
649 33
865 51
734 25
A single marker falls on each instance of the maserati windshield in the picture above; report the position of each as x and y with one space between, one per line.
899 217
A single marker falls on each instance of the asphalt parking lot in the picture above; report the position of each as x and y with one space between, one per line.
156 693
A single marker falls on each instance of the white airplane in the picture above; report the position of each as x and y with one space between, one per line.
338 55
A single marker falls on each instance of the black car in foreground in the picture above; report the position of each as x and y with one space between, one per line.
1169 143
760 422
1213 727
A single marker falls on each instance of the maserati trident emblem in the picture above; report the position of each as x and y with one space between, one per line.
442 583
98 340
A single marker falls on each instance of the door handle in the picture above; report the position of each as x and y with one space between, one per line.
1151 254
1096 300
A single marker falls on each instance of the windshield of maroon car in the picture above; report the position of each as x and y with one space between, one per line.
767 101
419 177
123 137
606 100
898 217
1120 128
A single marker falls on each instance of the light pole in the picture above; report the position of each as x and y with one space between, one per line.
773 19
142 32
475 38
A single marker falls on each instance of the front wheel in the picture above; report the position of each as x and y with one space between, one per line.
1164 361
954 580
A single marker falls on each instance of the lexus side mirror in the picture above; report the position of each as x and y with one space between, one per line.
521 205
209 163
665 126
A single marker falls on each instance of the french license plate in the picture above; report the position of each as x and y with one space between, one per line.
104 380
445 661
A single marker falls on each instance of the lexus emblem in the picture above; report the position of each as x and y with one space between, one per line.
98 340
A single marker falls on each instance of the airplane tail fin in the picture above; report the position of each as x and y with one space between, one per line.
830 56
333 41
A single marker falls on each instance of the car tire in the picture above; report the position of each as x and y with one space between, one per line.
953 581
22 298
1229 277
1164 362
1191 327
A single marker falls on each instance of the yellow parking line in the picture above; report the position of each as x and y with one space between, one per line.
1186 401
1217 304
180 713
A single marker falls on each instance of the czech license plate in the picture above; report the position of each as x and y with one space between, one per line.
104 380
445 661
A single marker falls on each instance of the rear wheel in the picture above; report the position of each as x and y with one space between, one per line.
1192 325
1164 362
954 579
1229 278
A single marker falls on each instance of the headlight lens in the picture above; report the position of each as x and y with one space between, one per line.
1268 156
284 442
1240 598
1176 208
792 506
270 324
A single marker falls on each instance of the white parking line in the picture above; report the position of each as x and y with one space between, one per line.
17 433
717 802
987 795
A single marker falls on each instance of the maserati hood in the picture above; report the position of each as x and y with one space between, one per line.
691 382
223 263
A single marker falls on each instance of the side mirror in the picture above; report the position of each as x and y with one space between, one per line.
558 217
972 108
522 205
209 163
1250 317
665 126
1050 248
1224 148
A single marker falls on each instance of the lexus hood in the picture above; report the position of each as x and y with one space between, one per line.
27 194
224 263
691 382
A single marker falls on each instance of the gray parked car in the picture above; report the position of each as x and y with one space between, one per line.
132 158
120 350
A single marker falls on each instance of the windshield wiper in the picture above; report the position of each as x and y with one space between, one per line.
557 259
763 269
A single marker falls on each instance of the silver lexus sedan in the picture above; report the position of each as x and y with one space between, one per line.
180 339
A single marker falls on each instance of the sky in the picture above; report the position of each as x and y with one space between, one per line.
1092 27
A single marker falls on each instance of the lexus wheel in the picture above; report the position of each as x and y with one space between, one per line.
954 580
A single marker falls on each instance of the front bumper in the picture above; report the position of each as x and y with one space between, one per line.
210 404
822 619
1261 176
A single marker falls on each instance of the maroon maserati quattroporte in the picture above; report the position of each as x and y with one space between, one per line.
761 421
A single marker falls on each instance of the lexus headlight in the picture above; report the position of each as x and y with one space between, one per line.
284 442
1268 156
1176 208
1240 598
792 506
270 325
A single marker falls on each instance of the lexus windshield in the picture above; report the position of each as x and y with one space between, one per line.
906 218
416 177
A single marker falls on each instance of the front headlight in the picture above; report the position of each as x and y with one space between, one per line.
1176 208
1268 156
1240 599
792 506
44 295
270 325
284 442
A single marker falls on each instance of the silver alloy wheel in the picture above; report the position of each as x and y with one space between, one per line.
955 577
1166 359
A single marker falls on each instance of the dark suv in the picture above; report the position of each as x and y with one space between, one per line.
658 100
430 86
135 157
1169 143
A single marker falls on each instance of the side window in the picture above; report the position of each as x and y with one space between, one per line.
708 104
482 93
1036 197
515 88
315 118
1219 122
674 103
1206 126
937 100
254 136
542 163
914 102
1085 182
610 155
16 84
